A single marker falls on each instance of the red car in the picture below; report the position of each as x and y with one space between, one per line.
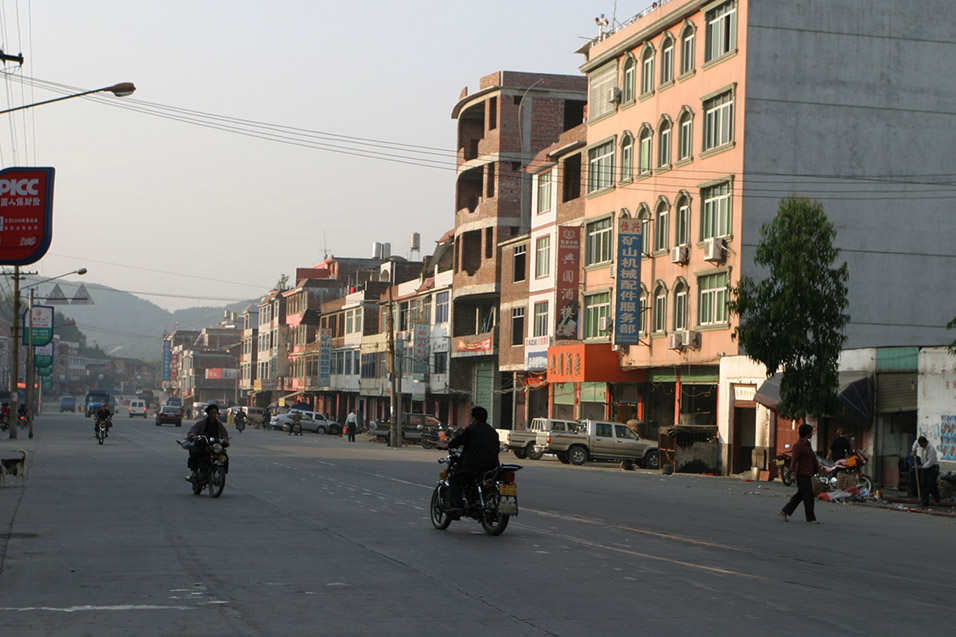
170 414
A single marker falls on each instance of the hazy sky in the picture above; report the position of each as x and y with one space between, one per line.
193 215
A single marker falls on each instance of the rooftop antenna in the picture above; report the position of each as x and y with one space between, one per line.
325 246
614 23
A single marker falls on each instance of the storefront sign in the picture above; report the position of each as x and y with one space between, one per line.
536 352
484 345
41 324
627 313
421 349
43 355
26 214
325 357
567 305
167 358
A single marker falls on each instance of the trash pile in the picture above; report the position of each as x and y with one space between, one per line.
851 494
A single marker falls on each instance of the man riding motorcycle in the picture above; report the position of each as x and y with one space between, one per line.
210 427
103 414
480 447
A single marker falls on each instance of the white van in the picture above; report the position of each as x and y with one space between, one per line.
137 407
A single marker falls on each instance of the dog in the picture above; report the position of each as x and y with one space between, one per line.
13 467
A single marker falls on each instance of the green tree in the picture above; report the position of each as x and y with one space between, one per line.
794 319
283 282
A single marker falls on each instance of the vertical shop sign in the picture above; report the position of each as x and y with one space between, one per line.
628 290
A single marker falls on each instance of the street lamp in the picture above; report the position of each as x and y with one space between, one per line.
123 89
15 367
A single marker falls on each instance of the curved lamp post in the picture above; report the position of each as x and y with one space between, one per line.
123 89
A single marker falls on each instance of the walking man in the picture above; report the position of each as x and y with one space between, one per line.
803 464
350 423
927 468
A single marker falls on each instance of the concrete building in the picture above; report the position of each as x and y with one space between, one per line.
500 129
248 351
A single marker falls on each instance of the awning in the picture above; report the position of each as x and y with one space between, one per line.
855 389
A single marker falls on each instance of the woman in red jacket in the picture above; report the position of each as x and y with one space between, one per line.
803 465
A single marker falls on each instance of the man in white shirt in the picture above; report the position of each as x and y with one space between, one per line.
927 470
350 422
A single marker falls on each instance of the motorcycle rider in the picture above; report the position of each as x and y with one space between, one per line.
480 447
103 414
240 420
210 427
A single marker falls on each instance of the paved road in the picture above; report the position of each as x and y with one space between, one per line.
314 535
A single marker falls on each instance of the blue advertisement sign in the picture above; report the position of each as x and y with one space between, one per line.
627 313
167 359
325 358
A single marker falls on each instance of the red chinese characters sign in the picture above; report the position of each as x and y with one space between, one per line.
26 214
569 252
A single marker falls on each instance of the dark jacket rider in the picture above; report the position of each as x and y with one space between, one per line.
103 414
210 427
480 447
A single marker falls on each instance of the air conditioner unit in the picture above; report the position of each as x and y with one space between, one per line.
614 95
689 338
605 323
674 341
679 254
714 249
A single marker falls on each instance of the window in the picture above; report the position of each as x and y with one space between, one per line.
598 247
716 215
647 71
403 316
490 182
440 363
630 70
644 167
664 144
600 85
682 223
517 325
493 113
542 256
659 313
680 307
712 303
544 191
519 263
661 227
685 140
721 30
441 307
596 307
541 318
719 120
687 50
645 216
601 166
642 322
667 60
627 158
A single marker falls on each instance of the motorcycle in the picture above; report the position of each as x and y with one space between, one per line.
102 429
431 437
783 468
213 464
240 424
492 500
836 475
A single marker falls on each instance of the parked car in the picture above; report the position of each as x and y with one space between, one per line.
67 403
170 414
523 443
311 421
137 407
599 440
410 427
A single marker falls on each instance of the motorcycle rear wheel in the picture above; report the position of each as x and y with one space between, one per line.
217 481
493 522
786 477
440 519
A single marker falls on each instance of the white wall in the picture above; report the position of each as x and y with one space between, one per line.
936 403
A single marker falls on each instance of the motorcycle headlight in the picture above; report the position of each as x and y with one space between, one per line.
217 448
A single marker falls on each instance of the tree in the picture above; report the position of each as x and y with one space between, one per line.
794 319
283 282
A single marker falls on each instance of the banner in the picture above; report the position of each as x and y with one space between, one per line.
26 214
422 333
536 352
567 306
41 325
220 373
627 313
44 371
43 355
167 358
325 357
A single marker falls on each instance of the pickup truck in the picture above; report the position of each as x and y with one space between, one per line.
523 443
410 427
599 440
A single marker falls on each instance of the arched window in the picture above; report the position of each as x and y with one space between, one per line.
682 219
681 294
647 70
627 157
687 49
685 134
644 214
645 140
664 142
628 76
661 225
659 309
642 322
667 59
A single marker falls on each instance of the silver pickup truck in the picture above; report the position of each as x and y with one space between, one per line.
599 440
522 443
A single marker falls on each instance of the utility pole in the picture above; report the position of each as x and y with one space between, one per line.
395 437
29 364
15 355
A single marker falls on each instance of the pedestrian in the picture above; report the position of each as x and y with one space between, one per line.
927 470
266 418
350 423
295 425
803 464
840 448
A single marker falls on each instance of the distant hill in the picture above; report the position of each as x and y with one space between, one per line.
125 325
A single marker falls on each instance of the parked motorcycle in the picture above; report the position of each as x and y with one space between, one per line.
213 464
102 429
830 472
492 500
431 437
783 468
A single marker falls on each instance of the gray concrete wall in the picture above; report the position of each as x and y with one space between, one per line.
854 104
